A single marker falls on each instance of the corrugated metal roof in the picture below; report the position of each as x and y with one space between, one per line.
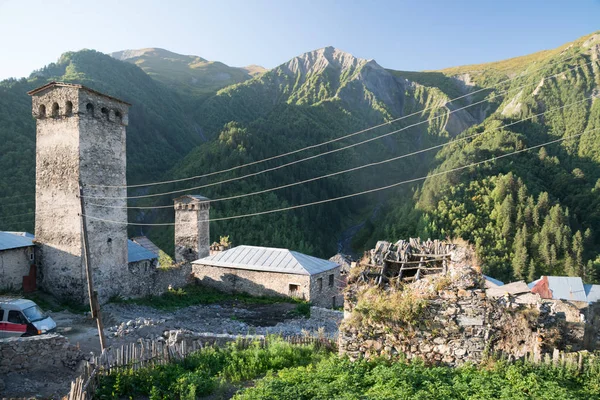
10 240
592 292
564 287
135 252
147 244
494 281
268 259
193 196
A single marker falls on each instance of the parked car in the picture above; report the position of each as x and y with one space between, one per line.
22 317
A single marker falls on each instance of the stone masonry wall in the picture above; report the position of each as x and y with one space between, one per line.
44 353
143 278
459 326
324 294
81 135
256 283
14 265
192 229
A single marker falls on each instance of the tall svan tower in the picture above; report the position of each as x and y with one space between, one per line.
80 138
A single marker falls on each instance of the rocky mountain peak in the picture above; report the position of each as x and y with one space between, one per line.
317 61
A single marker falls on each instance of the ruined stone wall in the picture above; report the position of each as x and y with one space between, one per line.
326 315
324 292
143 278
256 283
463 325
14 265
42 353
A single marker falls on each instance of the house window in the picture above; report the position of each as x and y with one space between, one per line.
294 289
333 303
320 284
331 280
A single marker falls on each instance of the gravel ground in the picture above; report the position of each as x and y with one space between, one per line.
128 322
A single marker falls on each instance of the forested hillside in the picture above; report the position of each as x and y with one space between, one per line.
534 213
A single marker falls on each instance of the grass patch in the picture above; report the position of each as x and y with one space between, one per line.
197 294
338 378
209 370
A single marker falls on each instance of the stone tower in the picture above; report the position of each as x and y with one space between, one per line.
80 138
192 235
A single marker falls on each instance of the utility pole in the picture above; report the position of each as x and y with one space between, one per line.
93 295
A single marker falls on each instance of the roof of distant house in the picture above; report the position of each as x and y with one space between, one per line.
15 240
560 287
493 281
268 259
592 292
147 244
136 252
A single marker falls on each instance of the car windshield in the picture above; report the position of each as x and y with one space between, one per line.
34 313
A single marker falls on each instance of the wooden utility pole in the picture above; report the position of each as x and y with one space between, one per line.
93 295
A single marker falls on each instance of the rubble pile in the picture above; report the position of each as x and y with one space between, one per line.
450 316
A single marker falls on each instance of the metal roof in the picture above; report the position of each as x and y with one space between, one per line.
564 287
268 259
147 244
193 196
136 252
11 240
494 281
592 292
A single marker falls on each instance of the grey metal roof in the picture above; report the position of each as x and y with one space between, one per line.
193 196
135 252
147 244
592 292
10 240
493 280
268 259
565 288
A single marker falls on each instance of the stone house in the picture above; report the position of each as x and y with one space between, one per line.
17 256
266 271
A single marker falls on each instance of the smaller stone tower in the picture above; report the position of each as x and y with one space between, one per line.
192 235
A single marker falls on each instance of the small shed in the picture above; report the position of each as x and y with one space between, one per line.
267 271
17 257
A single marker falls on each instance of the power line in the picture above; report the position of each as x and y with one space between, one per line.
362 166
355 194
322 154
336 139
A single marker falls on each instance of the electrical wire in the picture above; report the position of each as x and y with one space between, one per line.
320 154
336 139
354 194
362 166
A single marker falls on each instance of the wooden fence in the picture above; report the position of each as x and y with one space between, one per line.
146 353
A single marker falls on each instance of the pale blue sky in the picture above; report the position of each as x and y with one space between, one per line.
407 35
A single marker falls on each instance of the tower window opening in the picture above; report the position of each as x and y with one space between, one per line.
42 111
69 108
118 115
89 108
55 110
104 112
